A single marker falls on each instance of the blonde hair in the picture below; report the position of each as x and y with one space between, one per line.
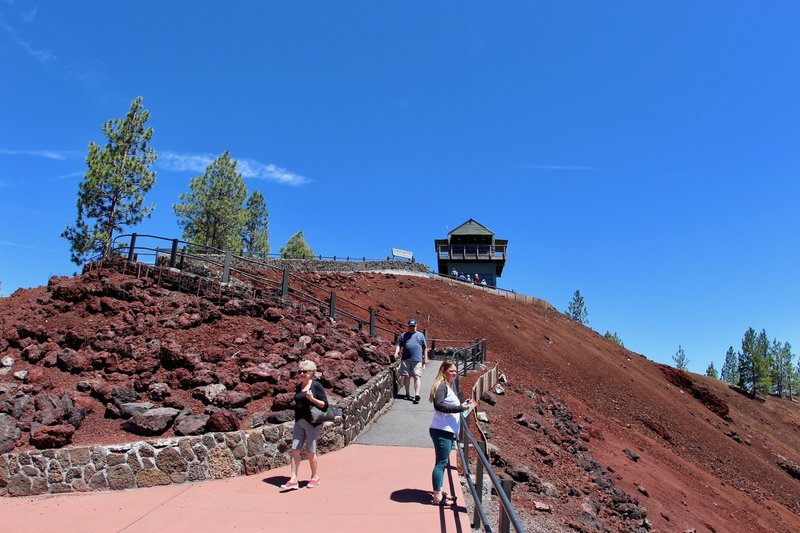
439 379
308 365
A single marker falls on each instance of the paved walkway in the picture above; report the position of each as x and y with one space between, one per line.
381 483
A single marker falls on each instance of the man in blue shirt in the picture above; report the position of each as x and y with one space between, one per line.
415 354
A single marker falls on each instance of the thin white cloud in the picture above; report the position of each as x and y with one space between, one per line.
31 212
30 16
270 172
563 167
40 55
71 175
28 246
183 162
248 167
47 154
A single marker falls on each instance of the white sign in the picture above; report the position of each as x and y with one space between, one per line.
405 254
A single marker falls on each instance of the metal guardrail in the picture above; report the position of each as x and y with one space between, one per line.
470 357
214 263
471 251
503 488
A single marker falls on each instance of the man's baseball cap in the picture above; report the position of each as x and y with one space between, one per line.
412 322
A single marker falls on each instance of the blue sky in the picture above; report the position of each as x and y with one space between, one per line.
645 153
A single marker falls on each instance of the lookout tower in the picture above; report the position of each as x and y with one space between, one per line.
471 248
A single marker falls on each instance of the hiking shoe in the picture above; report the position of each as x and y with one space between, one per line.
416 399
408 397
312 483
291 485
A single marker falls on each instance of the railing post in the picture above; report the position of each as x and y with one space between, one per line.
371 322
285 283
332 312
505 523
476 517
226 270
131 246
173 253
183 256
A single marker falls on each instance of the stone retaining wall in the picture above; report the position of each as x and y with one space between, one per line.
184 459
326 265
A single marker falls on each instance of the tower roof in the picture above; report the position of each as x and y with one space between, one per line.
471 227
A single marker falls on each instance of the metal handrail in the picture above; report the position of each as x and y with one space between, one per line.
395 325
479 347
505 502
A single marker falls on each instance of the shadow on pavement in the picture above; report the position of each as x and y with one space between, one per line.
411 496
276 481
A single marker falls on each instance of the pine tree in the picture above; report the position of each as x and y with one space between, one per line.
681 362
296 248
613 337
711 371
783 368
211 213
730 369
747 364
577 309
112 193
764 364
255 233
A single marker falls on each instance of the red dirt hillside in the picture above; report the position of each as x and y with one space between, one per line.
605 438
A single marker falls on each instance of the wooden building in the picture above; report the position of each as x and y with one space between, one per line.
471 249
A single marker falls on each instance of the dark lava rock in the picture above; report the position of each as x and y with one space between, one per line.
152 422
52 436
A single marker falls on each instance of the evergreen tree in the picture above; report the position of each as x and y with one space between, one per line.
681 361
613 337
747 366
255 233
211 213
764 364
783 368
112 193
754 362
296 248
711 371
577 309
730 369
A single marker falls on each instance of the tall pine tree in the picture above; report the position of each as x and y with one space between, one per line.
112 193
730 369
783 367
255 233
711 371
211 213
764 364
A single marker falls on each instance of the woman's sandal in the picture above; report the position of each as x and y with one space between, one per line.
442 500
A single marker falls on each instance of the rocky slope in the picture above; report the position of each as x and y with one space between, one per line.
596 437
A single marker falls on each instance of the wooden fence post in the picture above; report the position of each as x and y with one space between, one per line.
371 322
476 516
332 312
131 246
505 523
285 283
226 269
173 253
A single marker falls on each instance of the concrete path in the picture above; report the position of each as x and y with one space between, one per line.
405 424
382 483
